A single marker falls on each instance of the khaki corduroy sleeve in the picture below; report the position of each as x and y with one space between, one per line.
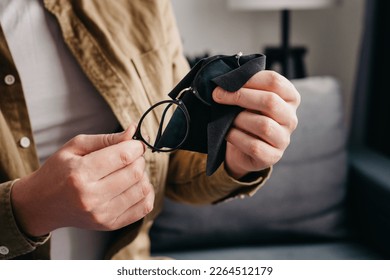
13 242
187 180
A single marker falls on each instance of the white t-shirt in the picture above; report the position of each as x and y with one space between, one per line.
61 101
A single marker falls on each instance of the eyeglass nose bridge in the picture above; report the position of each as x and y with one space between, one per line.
193 91
183 91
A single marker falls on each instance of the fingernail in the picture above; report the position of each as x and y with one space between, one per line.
131 129
219 93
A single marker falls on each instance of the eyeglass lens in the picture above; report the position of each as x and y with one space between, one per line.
172 129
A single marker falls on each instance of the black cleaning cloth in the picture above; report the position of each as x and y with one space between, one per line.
209 121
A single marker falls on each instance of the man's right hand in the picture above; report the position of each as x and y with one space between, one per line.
93 182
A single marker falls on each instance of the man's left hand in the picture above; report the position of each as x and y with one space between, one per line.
261 133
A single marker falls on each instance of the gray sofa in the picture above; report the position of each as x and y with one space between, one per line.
306 209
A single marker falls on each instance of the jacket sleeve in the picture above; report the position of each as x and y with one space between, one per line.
12 241
187 180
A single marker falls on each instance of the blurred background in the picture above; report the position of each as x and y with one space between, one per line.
331 35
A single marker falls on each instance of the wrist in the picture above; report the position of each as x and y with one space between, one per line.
24 208
235 172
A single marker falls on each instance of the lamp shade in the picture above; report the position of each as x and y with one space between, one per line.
279 4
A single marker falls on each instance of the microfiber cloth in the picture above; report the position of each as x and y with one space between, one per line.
209 121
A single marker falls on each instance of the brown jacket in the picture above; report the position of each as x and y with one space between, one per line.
131 52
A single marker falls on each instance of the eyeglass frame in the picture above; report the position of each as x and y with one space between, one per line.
177 101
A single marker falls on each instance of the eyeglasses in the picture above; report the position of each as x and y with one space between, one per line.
172 115
160 111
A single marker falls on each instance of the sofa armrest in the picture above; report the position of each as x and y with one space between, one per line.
369 198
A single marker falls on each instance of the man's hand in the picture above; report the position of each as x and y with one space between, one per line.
94 182
261 133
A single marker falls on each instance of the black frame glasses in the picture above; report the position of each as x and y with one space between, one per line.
154 148
176 100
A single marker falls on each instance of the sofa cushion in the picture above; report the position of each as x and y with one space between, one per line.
303 199
304 251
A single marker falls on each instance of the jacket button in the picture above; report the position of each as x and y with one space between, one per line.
9 80
24 142
4 250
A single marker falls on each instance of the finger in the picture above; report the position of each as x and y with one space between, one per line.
272 81
132 195
119 181
259 153
263 127
136 212
105 161
266 102
85 144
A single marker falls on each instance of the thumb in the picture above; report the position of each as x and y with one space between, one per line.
85 144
